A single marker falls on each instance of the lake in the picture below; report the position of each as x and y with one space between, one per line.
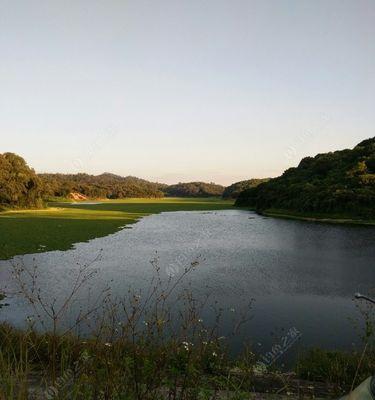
302 275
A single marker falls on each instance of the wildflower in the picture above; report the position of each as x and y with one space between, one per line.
107 344
214 354
185 345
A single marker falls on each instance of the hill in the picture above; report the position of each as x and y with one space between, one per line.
233 191
113 186
340 182
100 186
194 189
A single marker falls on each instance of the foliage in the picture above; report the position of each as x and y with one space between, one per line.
19 185
340 182
141 346
233 191
101 186
112 186
194 189
149 344
336 367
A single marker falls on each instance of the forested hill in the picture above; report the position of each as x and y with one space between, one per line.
117 187
194 189
100 186
21 187
234 190
341 182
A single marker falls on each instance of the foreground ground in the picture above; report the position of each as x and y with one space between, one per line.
154 366
61 225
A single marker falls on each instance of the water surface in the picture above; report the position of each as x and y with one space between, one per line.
302 275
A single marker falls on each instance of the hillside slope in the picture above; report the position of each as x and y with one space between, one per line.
106 185
340 182
234 190
194 189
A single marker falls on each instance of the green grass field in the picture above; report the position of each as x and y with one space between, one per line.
61 225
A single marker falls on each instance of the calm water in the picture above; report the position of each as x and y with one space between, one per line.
302 275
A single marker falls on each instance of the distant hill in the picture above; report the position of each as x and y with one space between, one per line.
194 189
113 186
337 182
100 186
233 191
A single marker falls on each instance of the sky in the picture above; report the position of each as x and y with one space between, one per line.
184 90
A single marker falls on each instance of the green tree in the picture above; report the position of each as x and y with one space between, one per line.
19 185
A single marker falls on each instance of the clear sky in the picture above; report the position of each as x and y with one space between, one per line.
180 90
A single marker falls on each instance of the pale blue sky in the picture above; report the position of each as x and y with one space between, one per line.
180 90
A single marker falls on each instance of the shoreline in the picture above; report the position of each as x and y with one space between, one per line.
283 214
61 225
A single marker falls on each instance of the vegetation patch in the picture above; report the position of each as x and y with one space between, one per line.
61 225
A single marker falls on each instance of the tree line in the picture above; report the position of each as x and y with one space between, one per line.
336 182
106 185
112 186
21 187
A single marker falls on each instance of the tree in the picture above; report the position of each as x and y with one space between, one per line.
19 185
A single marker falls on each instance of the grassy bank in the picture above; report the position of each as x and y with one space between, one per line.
61 225
317 217
152 368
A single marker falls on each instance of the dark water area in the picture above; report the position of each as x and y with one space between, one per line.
302 276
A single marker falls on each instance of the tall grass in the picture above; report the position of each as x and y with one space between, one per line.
147 345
